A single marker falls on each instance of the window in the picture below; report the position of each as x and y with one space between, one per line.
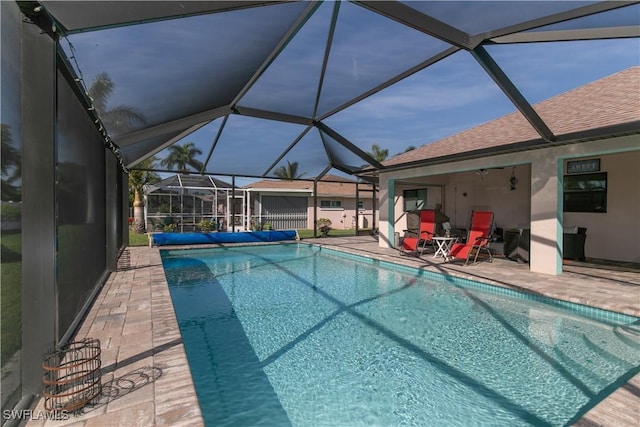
415 199
585 193
331 204
360 204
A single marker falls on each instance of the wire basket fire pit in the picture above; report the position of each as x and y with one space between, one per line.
72 376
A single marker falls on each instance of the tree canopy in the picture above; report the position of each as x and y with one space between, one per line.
181 156
118 119
11 166
378 153
289 172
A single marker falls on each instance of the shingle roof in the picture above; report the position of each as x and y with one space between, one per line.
613 100
344 187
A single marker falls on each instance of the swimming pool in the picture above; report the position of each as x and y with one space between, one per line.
293 335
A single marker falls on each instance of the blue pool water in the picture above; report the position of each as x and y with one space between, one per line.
292 335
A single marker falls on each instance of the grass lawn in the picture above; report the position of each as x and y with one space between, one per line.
11 295
137 239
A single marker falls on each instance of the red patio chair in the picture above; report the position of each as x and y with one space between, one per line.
477 238
418 244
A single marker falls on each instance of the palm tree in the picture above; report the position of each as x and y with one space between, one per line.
406 150
378 153
119 119
137 180
289 172
182 156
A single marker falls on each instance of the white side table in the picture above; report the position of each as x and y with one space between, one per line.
444 246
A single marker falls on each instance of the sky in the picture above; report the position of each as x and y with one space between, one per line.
175 68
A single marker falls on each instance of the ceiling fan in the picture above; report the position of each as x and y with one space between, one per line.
482 172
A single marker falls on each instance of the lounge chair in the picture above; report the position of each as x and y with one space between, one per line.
418 244
477 238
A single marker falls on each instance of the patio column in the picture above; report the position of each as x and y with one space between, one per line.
113 219
233 204
545 254
373 207
315 208
387 213
124 210
357 210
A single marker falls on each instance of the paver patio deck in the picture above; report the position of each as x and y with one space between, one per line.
146 376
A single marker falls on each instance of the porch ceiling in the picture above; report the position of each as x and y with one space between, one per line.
255 86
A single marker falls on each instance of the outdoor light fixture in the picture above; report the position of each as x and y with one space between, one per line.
513 181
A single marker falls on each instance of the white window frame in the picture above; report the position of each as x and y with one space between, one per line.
334 205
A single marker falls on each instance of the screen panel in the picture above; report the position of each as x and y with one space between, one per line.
248 146
81 211
368 50
11 280
476 17
197 62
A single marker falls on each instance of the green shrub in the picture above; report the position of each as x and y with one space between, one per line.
206 225
324 225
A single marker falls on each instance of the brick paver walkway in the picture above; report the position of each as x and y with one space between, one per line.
146 378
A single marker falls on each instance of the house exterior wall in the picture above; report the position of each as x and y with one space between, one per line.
537 201
343 218
615 234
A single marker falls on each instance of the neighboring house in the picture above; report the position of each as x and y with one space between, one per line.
290 204
587 176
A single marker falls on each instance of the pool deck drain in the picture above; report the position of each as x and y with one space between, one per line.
146 376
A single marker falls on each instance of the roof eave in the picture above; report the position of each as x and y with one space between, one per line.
615 131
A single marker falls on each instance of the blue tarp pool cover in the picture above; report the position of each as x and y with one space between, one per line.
222 237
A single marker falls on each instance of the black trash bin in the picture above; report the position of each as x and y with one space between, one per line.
516 244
